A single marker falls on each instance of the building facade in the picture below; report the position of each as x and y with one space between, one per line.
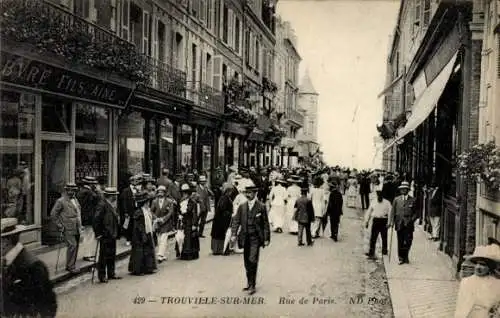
431 109
308 134
488 201
127 86
287 62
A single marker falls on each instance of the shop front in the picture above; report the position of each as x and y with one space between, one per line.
58 124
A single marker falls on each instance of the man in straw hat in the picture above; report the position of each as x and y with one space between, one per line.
106 227
88 199
67 215
254 233
126 207
26 286
164 208
403 215
479 294
204 194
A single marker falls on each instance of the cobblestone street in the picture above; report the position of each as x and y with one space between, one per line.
334 277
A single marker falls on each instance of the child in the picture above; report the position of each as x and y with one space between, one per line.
304 215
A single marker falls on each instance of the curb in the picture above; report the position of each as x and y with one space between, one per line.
64 277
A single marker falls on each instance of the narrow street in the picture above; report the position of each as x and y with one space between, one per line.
334 277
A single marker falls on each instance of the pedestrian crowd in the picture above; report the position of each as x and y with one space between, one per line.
155 214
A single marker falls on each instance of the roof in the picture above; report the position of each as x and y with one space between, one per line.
306 87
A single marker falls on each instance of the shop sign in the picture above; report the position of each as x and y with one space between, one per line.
34 74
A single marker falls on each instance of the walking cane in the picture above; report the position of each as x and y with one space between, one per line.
61 237
95 259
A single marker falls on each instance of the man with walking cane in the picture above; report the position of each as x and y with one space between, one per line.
106 227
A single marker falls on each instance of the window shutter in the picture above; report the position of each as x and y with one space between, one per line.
114 15
221 18
203 67
230 28
209 69
154 36
125 19
217 72
202 11
145 32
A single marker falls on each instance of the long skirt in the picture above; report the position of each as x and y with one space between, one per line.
142 257
191 245
292 225
217 246
277 216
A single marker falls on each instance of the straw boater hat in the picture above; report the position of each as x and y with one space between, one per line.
251 187
110 191
404 185
185 188
202 178
487 253
161 188
9 226
89 180
70 186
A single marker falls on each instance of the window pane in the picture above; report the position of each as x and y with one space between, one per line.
185 142
166 144
56 115
17 155
131 147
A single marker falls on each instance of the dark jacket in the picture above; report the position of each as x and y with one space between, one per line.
88 200
403 213
335 204
435 203
261 222
389 191
204 197
107 220
364 186
27 289
126 203
304 212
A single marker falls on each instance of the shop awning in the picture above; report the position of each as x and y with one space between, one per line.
390 86
426 102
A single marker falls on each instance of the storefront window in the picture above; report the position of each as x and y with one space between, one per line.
166 144
131 147
17 155
56 115
92 142
236 152
186 136
490 228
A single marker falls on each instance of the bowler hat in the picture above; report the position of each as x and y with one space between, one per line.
9 226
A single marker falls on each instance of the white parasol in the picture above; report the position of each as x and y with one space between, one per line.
227 239
179 238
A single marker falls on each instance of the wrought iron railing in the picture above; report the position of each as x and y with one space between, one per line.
296 117
206 97
166 78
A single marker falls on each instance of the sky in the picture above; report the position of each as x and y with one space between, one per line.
344 45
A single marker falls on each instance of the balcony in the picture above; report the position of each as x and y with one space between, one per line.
53 29
295 118
166 78
206 98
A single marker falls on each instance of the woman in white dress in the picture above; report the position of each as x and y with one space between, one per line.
318 199
293 193
352 192
277 197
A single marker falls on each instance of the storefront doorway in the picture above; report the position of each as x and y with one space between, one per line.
55 174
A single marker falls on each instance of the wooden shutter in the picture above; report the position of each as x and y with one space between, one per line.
230 28
125 19
154 36
203 67
217 72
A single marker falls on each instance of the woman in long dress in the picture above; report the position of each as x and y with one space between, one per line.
222 220
293 193
318 199
238 200
277 196
352 192
188 209
142 257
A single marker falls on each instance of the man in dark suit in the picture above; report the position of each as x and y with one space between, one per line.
255 233
263 184
26 287
403 215
364 192
334 210
106 228
126 208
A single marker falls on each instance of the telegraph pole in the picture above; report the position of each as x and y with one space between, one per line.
356 127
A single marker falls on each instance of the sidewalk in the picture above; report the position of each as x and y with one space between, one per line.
49 256
427 286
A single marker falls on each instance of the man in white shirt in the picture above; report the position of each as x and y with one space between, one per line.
378 212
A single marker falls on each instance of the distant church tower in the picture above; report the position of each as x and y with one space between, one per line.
308 101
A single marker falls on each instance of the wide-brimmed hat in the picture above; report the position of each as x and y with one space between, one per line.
185 187
251 188
487 253
70 186
110 191
89 180
281 180
161 188
404 185
237 177
10 226
202 178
